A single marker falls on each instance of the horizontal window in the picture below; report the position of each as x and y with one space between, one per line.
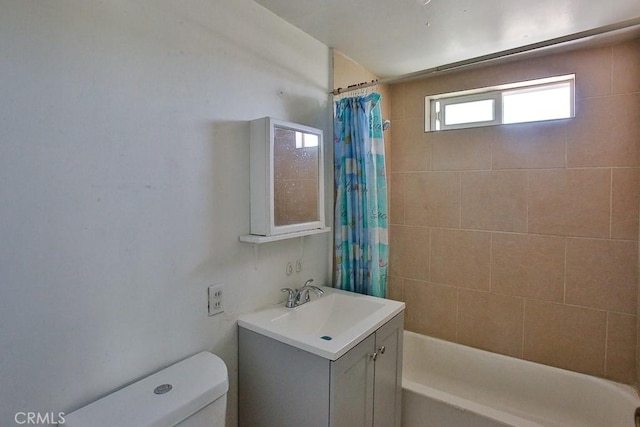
534 100
306 140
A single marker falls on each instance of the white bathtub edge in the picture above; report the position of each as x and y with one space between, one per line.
621 400
466 405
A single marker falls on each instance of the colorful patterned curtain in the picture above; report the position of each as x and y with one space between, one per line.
361 229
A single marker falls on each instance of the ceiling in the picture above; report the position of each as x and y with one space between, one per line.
393 38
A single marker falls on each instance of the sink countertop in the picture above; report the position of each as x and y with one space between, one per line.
327 326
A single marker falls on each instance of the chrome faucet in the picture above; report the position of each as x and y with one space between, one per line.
296 297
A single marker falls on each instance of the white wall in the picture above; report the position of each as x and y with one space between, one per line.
124 185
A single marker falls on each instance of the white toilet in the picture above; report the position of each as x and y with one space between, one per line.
191 393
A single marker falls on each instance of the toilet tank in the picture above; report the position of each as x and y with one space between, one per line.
190 393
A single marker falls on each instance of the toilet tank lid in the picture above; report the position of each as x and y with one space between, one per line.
195 382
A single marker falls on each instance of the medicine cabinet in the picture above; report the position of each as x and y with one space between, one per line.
286 180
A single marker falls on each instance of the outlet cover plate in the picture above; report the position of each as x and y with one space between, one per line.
215 299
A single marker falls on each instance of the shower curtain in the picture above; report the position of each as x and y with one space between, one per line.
361 229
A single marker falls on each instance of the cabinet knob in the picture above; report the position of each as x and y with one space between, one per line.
374 356
382 349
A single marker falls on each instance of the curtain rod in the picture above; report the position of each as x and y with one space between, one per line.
497 55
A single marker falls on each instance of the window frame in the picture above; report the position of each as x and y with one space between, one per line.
495 93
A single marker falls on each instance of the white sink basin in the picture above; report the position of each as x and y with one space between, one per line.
327 326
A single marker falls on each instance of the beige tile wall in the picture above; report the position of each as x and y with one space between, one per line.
523 239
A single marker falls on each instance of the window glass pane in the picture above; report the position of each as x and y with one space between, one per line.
299 140
305 140
469 112
310 140
544 103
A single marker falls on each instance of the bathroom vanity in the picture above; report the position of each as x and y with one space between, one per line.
336 361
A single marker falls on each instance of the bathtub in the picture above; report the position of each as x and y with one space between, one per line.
446 384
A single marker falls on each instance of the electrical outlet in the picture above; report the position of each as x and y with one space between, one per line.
298 266
215 299
289 268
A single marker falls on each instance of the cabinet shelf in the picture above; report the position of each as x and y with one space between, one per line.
254 238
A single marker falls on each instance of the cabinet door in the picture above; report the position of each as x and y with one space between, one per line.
280 385
388 374
352 376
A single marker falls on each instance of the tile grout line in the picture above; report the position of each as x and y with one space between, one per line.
491 262
430 152
457 311
524 233
606 341
527 198
524 319
429 261
460 201
404 198
564 276
611 204
566 145
611 70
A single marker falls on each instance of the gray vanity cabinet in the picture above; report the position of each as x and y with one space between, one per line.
352 386
387 406
366 383
280 385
